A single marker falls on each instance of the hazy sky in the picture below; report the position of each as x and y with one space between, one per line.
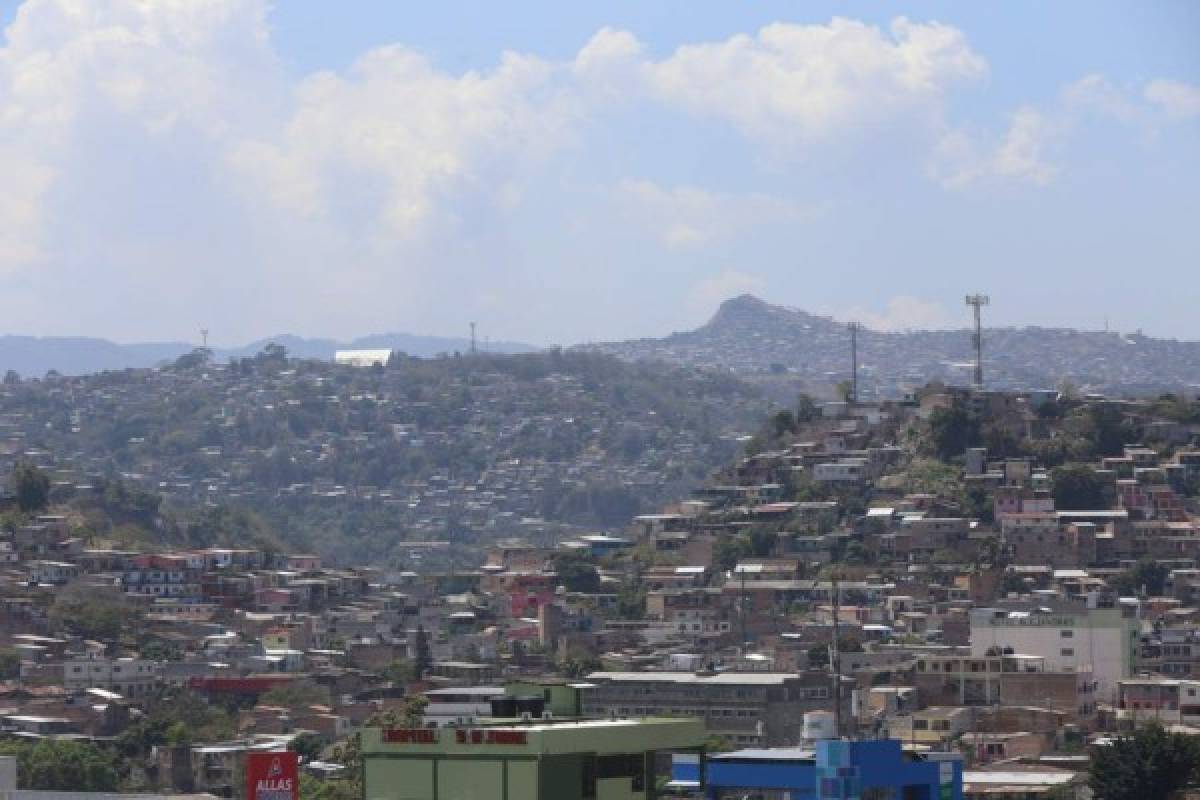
563 171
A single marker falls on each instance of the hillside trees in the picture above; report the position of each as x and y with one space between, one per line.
1149 763
31 486
1077 487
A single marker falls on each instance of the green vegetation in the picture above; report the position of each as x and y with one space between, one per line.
1149 763
31 487
576 573
1077 487
295 695
63 765
1147 575
176 717
94 612
274 452
10 665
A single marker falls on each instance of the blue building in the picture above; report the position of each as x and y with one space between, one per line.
835 770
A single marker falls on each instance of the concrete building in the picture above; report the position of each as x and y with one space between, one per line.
746 708
1068 638
542 760
1171 702
131 677
1007 680
833 769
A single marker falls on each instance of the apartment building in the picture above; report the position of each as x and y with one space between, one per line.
747 708
131 677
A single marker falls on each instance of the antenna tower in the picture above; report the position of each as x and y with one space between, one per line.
853 398
472 338
204 337
977 302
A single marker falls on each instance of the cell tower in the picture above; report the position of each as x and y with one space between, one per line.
853 397
977 302
472 338
204 337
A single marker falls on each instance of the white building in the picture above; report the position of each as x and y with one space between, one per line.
131 677
1103 640
362 358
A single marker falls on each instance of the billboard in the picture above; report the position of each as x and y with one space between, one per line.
272 776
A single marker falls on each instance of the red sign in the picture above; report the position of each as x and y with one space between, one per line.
272 776
410 736
489 736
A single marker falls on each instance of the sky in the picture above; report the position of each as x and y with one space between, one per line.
567 172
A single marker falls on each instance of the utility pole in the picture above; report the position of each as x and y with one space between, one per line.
853 398
472 338
977 302
742 606
835 658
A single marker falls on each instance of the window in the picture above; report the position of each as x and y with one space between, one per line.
1067 652
1067 634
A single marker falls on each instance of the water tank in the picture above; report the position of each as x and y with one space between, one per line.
819 725
504 706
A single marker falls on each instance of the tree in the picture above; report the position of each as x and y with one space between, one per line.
806 409
1150 763
782 423
1077 487
576 573
423 657
399 671
953 429
308 745
93 612
63 765
10 664
1147 575
31 486
728 549
631 600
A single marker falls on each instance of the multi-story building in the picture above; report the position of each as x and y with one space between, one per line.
1010 680
1103 641
747 708
1163 699
131 677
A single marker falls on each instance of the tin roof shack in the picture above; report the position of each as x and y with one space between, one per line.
543 760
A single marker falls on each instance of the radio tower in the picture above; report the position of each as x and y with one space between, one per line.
853 398
977 302
472 338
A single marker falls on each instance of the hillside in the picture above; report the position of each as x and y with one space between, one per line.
83 355
350 462
768 342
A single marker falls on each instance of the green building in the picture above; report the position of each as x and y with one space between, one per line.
547 759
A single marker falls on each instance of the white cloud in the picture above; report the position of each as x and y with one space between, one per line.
903 312
1022 155
161 151
688 216
1179 100
704 296
791 84
1097 94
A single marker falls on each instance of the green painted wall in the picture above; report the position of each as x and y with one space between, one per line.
470 780
398 779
